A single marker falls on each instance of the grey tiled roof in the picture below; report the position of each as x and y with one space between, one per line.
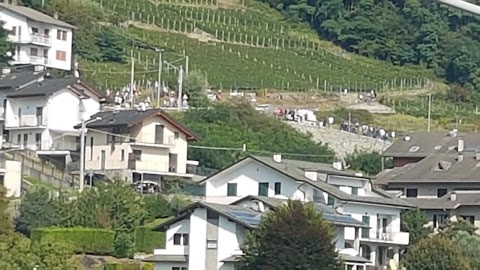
429 170
43 88
15 80
35 15
463 198
131 117
294 169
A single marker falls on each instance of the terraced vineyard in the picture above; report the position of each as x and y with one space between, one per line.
243 47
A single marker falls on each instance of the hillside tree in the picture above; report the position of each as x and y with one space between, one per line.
415 222
6 47
293 236
436 253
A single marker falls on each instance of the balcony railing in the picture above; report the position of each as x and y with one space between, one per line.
395 237
31 121
33 38
30 59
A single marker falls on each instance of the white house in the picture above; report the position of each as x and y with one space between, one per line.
348 193
40 116
39 39
137 145
207 236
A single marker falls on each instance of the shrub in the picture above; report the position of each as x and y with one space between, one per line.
84 240
147 240
112 266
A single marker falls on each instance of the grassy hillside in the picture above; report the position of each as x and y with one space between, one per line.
241 45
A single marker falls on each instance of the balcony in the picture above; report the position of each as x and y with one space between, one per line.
27 121
167 142
36 39
399 238
144 167
33 60
59 146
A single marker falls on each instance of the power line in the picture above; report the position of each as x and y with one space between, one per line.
242 149
118 72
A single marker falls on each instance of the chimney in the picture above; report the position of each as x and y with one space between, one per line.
460 157
337 165
312 175
277 158
453 196
55 15
461 145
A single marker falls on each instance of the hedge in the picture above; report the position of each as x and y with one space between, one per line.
84 240
147 240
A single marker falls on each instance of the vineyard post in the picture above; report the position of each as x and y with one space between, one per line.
160 65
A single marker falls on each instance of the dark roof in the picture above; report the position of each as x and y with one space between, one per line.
49 86
294 169
16 80
463 198
345 257
423 144
34 15
166 258
328 213
130 118
439 168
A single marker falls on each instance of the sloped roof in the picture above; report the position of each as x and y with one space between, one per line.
132 117
463 198
15 80
35 15
294 169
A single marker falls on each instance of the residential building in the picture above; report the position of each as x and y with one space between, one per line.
11 177
443 181
9 83
137 144
40 116
207 236
39 39
346 192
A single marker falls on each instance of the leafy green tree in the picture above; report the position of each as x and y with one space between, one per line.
111 45
369 163
195 86
294 236
157 206
6 47
470 247
414 222
436 253
37 210
451 228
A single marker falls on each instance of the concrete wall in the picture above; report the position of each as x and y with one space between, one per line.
13 178
198 243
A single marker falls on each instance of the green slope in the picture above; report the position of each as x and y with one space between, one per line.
249 47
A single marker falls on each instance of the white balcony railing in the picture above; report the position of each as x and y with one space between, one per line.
38 60
401 238
30 60
33 38
30 121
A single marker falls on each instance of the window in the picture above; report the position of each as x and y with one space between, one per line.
177 239
412 192
19 31
2 180
180 239
441 192
185 239
38 140
61 35
349 267
34 30
14 31
61 56
365 251
232 189
19 139
122 155
179 268
439 220
46 32
330 200
45 53
137 155
176 135
354 190
366 231
278 188
33 52
263 189
91 148
470 219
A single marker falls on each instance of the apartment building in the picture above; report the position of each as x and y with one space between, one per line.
40 112
137 145
442 180
207 236
347 192
39 39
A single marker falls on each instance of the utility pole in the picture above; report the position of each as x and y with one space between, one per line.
186 65
429 111
349 120
160 65
180 90
82 154
132 77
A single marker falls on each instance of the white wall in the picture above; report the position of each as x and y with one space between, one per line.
29 110
230 236
198 239
13 178
64 111
13 20
248 178
357 211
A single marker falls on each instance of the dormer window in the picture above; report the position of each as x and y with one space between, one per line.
414 148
